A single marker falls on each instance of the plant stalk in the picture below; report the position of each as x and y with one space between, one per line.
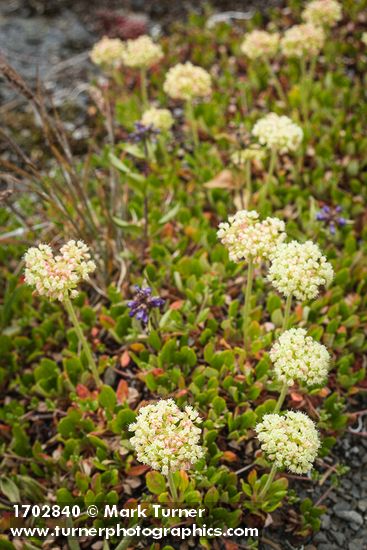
78 329
269 481
281 398
144 88
246 309
172 487
193 123
287 312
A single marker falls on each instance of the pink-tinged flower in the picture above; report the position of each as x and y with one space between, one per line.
58 276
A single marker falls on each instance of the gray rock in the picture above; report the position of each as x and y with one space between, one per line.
357 544
362 505
350 515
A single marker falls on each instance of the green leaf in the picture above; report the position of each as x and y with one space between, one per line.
107 398
9 489
156 482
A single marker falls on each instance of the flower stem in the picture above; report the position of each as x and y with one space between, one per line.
248 183
269 481
246 309
78 329
143 87
277 83
281 398
287 312
193 124
172 487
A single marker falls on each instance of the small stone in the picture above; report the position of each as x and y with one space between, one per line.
325 521
337 536
350 515
320 537
357 544
362 505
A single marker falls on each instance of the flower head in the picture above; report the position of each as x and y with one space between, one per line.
322 12
107 52
364 38
141 53
166 438
58 276
246 237
161 119
239 158
143 303
290 441
302 41
260 44
186 81
298 357
278 132
299 269
331 217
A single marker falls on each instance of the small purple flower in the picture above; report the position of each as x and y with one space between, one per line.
143 303
142 133
331 216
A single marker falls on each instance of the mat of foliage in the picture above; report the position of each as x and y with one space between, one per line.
63 441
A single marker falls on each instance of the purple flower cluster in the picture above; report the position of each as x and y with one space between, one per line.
142 133
143 303
331 216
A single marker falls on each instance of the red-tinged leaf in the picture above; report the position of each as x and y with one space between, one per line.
82 391
297 397
94 332
122 391
223 180
137 347
125 359
299 312
252 477
138 470
168 230
107 320
342 330
157 371
228 545
324 392
181 393
229 456
177 304
4 428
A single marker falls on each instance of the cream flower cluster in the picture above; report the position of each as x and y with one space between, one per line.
58 276
303 41
239 158
291 440
258 44
278 132
161 119
323 12
166 438
107 52
246 237
186 81
141 52
298 357
299 269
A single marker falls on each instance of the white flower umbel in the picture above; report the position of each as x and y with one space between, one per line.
303 41
57 278
186 81
161 119
299 358
166 438
247 237
141 53
299 270
290 441
278 133
107 52
322 12
260 44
